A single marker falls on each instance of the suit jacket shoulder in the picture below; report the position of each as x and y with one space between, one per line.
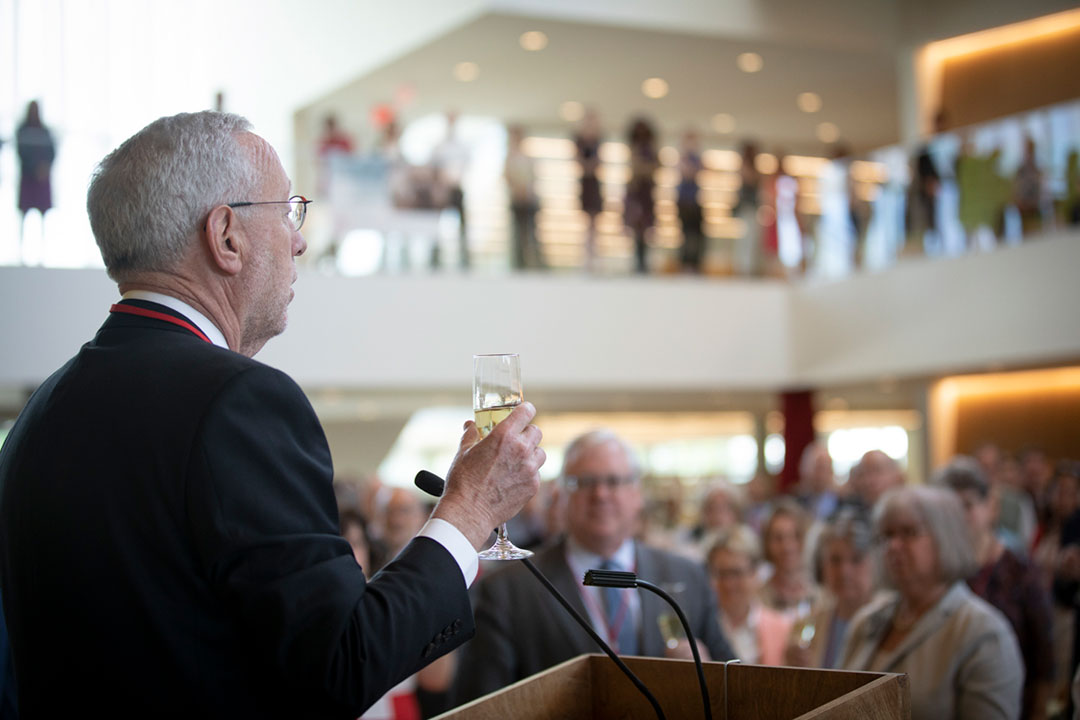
185 528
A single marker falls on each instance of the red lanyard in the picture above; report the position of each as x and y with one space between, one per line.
143 312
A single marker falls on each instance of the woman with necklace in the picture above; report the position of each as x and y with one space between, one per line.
788 588
958 651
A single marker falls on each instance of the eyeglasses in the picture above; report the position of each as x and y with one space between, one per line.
297 208
585 482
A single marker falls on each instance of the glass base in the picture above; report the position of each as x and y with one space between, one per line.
503 549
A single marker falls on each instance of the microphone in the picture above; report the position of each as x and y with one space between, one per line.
432 484
624 579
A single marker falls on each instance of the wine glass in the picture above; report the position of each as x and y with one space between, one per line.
496 392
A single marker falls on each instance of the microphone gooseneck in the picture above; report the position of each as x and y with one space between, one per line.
432 484
623 579
595 636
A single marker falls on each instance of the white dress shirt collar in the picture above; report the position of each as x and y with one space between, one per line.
197 318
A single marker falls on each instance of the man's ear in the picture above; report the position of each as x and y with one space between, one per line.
224 241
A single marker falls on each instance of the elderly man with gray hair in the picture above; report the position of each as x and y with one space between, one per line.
168 532
522 630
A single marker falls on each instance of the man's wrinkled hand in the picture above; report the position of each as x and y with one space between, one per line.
491 479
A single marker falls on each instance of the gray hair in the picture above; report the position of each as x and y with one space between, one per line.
847 525
961 474
939 512
149 197
595 438
739 540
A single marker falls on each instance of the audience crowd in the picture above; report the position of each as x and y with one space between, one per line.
969 583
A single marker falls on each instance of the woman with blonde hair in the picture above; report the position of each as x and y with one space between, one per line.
756 633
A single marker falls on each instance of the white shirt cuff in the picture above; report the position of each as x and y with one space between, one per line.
456 544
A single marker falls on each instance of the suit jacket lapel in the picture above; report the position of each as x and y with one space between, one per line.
651 641
552 563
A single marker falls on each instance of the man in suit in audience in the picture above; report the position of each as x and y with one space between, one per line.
522 630
168 533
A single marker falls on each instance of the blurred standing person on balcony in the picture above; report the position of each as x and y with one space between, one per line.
690 215
1007 581
587 142
639 209
520 181
335 148
836 231
959 652
334 139
978 208
748 245
37 150
922 202
789 241
1028 190
451 160
1072 188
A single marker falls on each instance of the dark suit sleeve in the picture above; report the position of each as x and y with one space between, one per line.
262 512
489 661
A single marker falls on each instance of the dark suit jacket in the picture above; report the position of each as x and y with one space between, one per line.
521 629
169 545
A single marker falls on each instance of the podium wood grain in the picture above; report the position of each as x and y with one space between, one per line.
591 686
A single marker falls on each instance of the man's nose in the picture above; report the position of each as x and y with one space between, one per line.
299 244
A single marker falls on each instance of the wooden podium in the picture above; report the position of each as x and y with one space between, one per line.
591 686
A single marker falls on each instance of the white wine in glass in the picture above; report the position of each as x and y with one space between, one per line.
496 392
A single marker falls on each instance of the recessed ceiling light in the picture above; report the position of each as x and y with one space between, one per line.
809 102
827 132
466 71
654 88
749 62
533 40
571 111
723 123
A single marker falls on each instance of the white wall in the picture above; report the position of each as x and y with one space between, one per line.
1012 307
1008 308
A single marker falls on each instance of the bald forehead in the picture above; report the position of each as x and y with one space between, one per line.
264 159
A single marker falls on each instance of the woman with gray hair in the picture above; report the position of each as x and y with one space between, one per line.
960 654
842 564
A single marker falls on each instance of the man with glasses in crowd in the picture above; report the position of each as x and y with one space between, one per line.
168 531
521 630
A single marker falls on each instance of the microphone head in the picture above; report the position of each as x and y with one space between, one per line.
611 578
430 483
